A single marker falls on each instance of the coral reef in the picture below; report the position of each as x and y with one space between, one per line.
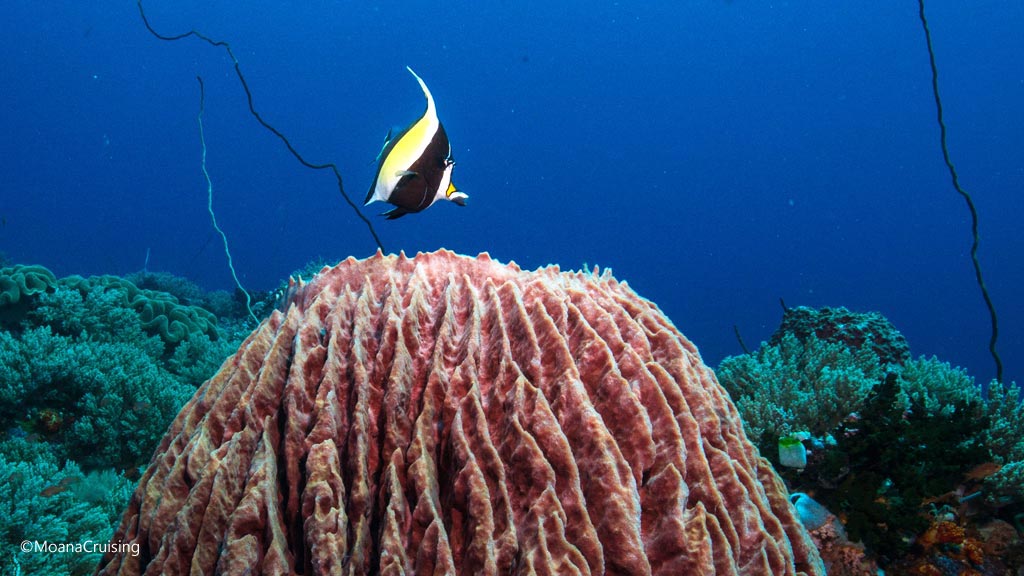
444 414
889 462
85 374
951 547
85 389
891 438
48 503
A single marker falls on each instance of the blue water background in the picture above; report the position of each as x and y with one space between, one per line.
716 155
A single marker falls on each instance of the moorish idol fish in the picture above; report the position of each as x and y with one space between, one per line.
414 169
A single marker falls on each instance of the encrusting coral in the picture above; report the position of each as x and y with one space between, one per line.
855 330
161 313
18 285
19 281
445 414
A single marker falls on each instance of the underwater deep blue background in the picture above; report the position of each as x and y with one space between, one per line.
716 155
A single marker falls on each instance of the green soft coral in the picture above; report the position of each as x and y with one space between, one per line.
936 385
195 359
87 361
44 502
812 386
901 434
792 386
114 400
1005 439
942 389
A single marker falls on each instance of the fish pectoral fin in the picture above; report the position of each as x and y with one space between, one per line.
402 173
387 140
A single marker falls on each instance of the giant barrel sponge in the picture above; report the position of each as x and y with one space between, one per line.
452 415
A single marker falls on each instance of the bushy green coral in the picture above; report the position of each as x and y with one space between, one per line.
943 389
197 358
125 404
793 386
937 386
1005 439
44 502
113 401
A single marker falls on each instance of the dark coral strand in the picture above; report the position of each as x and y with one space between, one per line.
967 197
